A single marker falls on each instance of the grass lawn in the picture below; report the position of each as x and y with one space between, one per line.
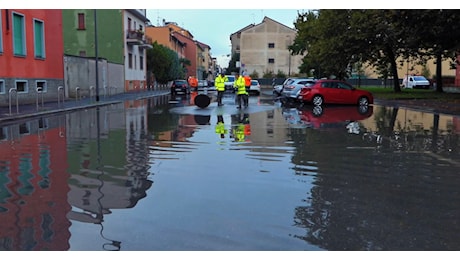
422 94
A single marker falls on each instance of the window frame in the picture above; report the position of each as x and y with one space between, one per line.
14 38
45 85
26 86
271 45
81 21
271 60
42 35
2 86
1 34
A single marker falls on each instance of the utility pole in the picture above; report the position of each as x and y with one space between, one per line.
96 56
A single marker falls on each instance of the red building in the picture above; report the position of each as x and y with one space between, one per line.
31 54
190 53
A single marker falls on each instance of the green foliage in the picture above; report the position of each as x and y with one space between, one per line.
338 42
164 64
268 74
232 64
254 75
280 74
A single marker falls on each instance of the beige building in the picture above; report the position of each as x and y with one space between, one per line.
264 48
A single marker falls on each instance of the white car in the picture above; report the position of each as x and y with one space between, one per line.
416 82
291 89
229 83
255 87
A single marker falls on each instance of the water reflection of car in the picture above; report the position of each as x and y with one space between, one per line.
180 86
333 117
335 92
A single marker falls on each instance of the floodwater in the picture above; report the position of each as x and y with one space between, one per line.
162 174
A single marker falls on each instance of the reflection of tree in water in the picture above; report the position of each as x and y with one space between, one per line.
378 197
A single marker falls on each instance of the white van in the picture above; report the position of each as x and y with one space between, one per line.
416 82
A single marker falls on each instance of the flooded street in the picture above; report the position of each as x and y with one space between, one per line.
162 174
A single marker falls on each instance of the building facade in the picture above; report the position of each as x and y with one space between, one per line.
82 46
135 21
264 48
31 50
182 42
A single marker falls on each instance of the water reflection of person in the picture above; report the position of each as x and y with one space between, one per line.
242 129
220 127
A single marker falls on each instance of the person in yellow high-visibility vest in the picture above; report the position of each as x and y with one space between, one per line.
240 86
219 84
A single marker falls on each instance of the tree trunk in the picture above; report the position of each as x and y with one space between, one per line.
394 70
439 72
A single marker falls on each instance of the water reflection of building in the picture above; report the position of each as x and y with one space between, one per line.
33 186
109 170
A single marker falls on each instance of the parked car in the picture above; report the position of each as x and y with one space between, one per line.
180 86
327 91
292 88
202 84
277 89
255 87
229 83
416 82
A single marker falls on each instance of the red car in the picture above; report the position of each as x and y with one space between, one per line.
326 91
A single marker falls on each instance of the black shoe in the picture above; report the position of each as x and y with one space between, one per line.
220 105
239 107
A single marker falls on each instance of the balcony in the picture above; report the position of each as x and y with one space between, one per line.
147 43
135 37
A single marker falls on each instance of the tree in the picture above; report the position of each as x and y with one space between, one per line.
164 64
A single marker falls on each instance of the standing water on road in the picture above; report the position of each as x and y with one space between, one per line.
162 174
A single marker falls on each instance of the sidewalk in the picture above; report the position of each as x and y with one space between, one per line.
25 111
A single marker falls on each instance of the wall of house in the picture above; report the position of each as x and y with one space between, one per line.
255 51
29 68
80 77
110 38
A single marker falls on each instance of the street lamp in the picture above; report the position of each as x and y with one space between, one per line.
289 58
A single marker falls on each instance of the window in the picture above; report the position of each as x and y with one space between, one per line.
22 86
41 84
271 45
2 86
19 36
1 33
81 21
24 128
39 39
141 62
130 61
271 60
129 24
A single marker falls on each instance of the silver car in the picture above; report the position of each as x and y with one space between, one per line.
292 89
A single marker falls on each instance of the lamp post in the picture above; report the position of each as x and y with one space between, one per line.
289 57
96 55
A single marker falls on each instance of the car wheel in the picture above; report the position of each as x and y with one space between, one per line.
317 111
363 101
318 100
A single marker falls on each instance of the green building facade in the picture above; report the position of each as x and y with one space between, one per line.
79 33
